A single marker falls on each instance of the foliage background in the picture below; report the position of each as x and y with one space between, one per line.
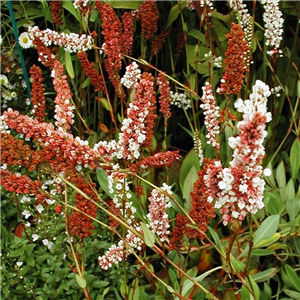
46 273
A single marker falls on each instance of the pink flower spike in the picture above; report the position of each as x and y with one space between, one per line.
159 220
238 190
63 106
211 112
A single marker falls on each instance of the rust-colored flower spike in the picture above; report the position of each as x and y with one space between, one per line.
148 14
37 93
233 79
15 153
46 55
158 42
113 44
180 40
165 97
127 19
80 224
157 160
56 11
90 71
176 236
202 210
20 184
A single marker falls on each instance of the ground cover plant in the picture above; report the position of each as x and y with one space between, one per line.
150 150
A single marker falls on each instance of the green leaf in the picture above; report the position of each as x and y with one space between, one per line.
69 65
293 208
289 191
269 241
273 203
188 285
94 15
216 239
125 4
25 270
30 261
188 186
124 288
280 177
267 229
134 293
104 102
41 258
68 5
17 253
81 281
293 277
190 160
219 22
174 13
293 294
148 235
86 83
262 252
245 294
103 181
197 35
264 275
237 265
173 277
295 159
100 284
4 233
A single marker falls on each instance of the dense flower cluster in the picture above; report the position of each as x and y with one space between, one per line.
71 42
202 3
238 190
232 81
119 188
198 147
83 6
137 127
56 11
127 19
176 236
181 100
14 152
131 76
80 224
91 72
273 25
158 217
201 210
159 41
18 183
113 44
7 90
211 113
164 98
37 92
47 56
119 252
217 61
157 160
60 148
148 14
245 20
63 105
180 41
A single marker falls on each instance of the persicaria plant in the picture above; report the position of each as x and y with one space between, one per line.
145 139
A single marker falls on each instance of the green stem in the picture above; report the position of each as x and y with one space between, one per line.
13 21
